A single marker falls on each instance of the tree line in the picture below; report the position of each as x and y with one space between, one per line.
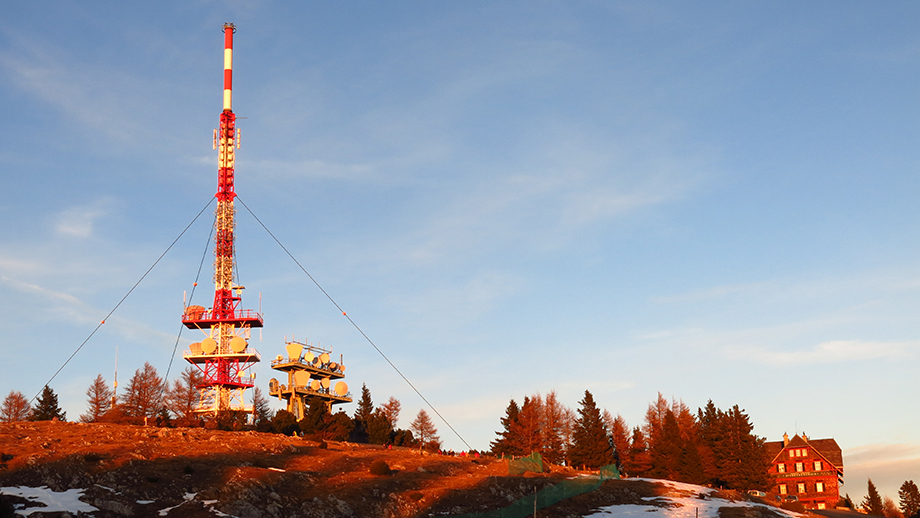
712 446
873 503
148 399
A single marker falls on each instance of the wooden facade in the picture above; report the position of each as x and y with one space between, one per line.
807 470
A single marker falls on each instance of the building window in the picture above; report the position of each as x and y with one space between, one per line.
799 466
801 488
780 468
792 453
782 489
822 505
804 452
819 487
818 465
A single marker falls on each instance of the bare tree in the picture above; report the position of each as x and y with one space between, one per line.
891 509
143 396
15 407
99 400
182 397
555 423
261 411
425 431
390 410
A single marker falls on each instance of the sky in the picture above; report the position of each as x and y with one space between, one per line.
709 200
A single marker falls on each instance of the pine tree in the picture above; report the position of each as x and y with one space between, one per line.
362 417
99 400
639 461
505 444
425 431
591 444
46 408
379 430
909 497
872 503
665 452
15 407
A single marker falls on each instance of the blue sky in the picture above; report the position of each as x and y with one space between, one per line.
712 201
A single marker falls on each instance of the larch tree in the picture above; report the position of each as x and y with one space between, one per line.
890 509
872 503
15 407
390 410
144 394
261 411
620 433
425 431
46 408
555 423
909 497
182 397
99 400
591 444
528 429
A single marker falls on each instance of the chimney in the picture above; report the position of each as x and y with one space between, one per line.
805 437
785 440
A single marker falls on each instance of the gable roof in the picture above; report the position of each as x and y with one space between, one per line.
827 448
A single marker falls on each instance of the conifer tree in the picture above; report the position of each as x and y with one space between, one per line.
638 462
506 444
15 407
591 444
144 394
362 417
391 409
379 430
527 430
909 497
665 452
46 408
620 433
872 503
99 400
425 431
182 398
555 417
261 411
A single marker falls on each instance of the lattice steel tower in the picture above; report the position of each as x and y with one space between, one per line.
224 357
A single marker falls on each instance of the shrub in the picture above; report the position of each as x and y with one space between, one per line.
379 467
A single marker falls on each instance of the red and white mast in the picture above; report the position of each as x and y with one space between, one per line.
224 355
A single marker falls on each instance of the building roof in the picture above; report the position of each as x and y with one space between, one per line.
827 448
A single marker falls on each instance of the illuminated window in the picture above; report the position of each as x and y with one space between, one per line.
818 465
799 466
819 487
792 453
801 488
822 505
782 489
804 452
780 468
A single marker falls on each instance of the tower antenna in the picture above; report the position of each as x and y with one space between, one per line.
224 354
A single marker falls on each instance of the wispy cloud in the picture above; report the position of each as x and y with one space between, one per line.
830 352
888 465
79 221
94 97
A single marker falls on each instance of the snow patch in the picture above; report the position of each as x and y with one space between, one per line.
52 501
681 506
